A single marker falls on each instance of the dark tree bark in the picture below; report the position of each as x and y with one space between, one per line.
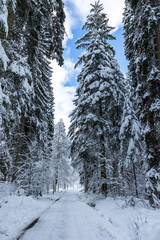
158 48
19 148
103 165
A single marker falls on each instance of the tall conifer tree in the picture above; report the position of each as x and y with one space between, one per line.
31 34
95 119
131 145
60 164
141 25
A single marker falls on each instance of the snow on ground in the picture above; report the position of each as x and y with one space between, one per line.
69 219
16 212
125 222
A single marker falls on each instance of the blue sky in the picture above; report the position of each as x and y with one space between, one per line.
64 78
117 44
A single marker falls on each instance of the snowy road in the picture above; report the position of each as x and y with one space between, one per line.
69 219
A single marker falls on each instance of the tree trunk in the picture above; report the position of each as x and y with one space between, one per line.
158 48
85 178
54 187
104 187
20 141
103 177
135 178
10 22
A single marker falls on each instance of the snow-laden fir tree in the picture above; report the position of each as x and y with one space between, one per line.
6 8
60 164
131 146
95 121
5 158
27 41
142 47
58 30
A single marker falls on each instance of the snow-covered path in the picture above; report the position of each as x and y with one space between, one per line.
69 219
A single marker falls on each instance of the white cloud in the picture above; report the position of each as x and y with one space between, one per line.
63 94
113 8
69 23
61 75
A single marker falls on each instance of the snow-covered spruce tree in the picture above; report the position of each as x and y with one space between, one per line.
131 147
39 44
60 164
58 30
17 86
5 158
95 121
40 47
142 41
6 10
26 82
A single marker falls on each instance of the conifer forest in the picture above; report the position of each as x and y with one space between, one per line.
111 149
